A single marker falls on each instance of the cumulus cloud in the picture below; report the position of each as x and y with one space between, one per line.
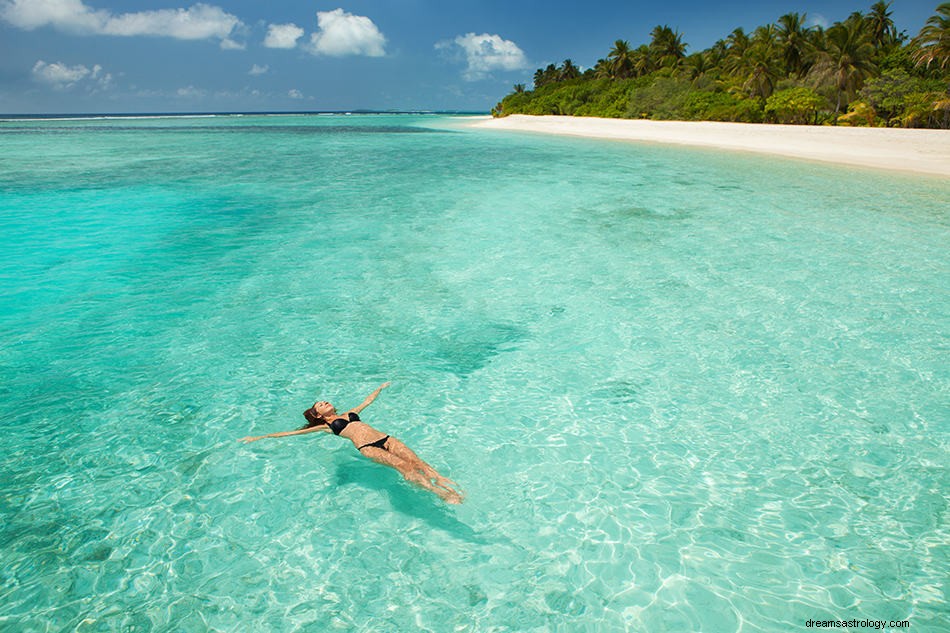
485 53
282 35
341 33
295 94
199 22
65 15
258 70
59 75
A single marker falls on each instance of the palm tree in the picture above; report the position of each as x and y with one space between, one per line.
698 65
667 46
717 53
546 76
761 63
856 17
737 44
792 35
933 41
568 71
518 89
620 60
883 33
817 40
846 60
643 62
538 78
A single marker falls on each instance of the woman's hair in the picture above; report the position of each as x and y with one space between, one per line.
313 419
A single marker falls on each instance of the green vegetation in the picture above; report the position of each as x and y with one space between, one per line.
857 72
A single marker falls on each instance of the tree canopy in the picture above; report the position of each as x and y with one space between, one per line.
859 71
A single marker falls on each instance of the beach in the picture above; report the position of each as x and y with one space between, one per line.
906 150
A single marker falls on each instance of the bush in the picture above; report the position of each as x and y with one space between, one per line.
749 110
662 99
611 101
889 93
797 106
925 109
706 106
860 114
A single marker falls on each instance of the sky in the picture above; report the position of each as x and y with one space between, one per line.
111 56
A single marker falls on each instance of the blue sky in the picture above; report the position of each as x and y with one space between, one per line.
247 55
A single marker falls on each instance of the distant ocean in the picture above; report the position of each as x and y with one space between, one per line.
684 390
187 115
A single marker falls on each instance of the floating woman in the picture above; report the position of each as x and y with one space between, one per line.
379 447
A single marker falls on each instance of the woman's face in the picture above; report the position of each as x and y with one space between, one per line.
325 409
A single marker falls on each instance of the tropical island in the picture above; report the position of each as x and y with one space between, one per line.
857 72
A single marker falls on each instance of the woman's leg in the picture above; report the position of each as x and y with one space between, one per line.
402 451
409 471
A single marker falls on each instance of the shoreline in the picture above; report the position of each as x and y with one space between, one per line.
895 149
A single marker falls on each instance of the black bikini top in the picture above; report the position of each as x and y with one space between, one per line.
339 424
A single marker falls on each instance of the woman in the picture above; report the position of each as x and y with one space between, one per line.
381 448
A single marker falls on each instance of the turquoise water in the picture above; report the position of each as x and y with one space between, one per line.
683 390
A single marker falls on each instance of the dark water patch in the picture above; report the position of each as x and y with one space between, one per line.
476 596
619 391
631 216
646 213
465 349
189 466
622 225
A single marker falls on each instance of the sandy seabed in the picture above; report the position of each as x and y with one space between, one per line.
919 151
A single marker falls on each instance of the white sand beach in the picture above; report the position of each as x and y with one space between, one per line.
920 151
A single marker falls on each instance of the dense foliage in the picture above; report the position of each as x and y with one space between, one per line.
858 72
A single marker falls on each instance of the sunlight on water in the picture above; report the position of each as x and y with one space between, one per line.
684 390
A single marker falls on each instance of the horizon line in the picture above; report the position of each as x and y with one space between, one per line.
19 116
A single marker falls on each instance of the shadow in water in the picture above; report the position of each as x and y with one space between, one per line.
464 348
406 498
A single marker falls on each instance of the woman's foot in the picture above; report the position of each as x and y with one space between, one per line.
451 497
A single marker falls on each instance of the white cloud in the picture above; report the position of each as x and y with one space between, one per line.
227 44
199 22
341 33
485 53
190 92
59 75
282 35
295 94
65 15
258 70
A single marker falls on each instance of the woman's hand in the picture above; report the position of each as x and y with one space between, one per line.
370 398
249 439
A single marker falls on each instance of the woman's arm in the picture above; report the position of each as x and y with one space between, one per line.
314 429
370 398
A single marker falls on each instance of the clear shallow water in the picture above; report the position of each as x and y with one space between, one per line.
683 390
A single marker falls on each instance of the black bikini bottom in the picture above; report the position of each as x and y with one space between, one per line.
380 443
